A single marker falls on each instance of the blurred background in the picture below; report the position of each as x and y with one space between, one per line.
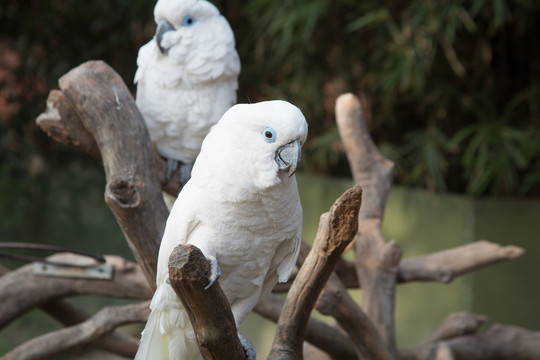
451 92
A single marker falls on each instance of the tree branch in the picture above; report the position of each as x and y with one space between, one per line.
441 266
498 342
105 109
21 290
336 301
321 335
444 266
376 260
102 323
336 230
69 315
208 310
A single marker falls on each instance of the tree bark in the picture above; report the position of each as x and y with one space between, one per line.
106 110
21 290
331 341
209 310
376 260
104 322
336 230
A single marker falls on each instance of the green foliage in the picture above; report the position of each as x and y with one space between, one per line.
450 88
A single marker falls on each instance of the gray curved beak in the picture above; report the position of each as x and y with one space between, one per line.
162 27
288 157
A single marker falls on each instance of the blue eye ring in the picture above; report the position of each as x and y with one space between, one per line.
269 134
188 21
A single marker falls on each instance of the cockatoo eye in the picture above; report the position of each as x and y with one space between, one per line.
188 21
269 134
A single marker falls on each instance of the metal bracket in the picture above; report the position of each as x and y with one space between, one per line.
99 271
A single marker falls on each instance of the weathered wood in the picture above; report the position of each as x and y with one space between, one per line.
69 315
21 291
444 266
498 342
456 324
335 301
336 230
209 310
323 336
61 122
105 321
440 266
376 260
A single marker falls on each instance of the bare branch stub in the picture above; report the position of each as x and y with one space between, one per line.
102 323
208 310
336 230
376 260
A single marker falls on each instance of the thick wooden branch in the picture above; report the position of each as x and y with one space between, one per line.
61 122
336 230
456 324
69 315
94 100
498 342
21 290
441 266
444 266
376 260
208 310
104 322
319 334
335 301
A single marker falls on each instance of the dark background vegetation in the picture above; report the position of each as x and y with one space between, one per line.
451 88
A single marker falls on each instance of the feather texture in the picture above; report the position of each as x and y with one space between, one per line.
238 207
183 90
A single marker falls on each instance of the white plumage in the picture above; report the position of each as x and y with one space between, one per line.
241 208
186 77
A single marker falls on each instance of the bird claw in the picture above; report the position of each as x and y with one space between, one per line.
172 165
249 349
215 272
185 173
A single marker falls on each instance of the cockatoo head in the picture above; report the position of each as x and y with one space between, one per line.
257 145
193 33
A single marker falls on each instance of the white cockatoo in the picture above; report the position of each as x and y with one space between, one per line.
186 78
241 209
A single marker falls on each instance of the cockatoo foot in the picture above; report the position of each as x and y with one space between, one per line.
215 272
172 165
249 349
185 173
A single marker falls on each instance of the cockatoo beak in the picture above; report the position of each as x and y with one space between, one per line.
162 27
288 157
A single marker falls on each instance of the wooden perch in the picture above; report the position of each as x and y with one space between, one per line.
376 260
498 342
94 100
336 301
456 324
444 266
208 310
441 266
69 315
105 321
321 335
21 290
336 230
